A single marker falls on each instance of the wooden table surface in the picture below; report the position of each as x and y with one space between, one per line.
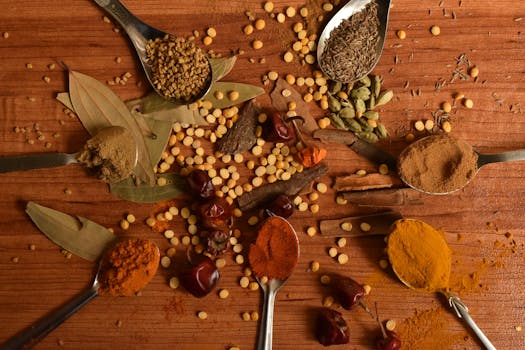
484 223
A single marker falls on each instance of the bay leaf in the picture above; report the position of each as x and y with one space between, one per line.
157 145
246 93
63 97
151 107
280 103
175 186
221 66
76 234
97 106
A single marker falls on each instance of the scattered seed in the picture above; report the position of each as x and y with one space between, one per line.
365 227
390 325
467 102
435 30
342 258
401 34
202 315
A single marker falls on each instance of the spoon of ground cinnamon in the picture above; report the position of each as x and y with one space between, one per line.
441 164
273 258
125 269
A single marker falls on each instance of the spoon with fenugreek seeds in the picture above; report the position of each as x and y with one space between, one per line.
176 68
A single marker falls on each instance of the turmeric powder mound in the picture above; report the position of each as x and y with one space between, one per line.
419 255
128 267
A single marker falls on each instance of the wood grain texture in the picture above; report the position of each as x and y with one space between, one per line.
489 33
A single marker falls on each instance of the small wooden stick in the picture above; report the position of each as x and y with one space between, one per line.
385 197
380 224
356 182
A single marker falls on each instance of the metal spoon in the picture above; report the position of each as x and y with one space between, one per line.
352 7
270 288
45 160
483 159
139 34
33 334
455 303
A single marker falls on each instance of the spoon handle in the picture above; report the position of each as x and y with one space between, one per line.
266 328
462 312
30 336
36 161
501 157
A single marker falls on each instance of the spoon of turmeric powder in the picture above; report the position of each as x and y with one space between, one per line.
114 277
272 258
421 259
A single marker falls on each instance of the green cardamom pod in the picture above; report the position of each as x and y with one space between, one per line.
364 125
376 85
347 112
384 97
371 102
381 131
359 106
369 137
372 115
333 104
353 125
365 81
348 89
335 87
338 122
362 93
346 103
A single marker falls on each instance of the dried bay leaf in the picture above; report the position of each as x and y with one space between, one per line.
152 106
175 186
221 66
63 97
75 234
98 107
246 93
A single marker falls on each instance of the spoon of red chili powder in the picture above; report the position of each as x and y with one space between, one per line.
126 268
273 258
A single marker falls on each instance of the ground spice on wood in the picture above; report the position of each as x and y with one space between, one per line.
276 249
351 49
128 267
438 164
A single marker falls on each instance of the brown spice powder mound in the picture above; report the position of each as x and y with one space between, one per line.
438 164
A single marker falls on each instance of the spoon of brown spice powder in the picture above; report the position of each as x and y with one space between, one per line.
441 164
125 269
176 68
352 41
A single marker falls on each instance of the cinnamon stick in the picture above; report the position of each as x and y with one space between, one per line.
379 224
385 197
265 193
356 182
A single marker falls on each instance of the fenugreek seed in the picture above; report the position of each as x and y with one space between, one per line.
342 258
401 34
311 231
207 40
202 315
435 30
467 102
419 125
165 261
446 126
46 79
365 227
174 283
328 301
288 57
332 252
324 279
390 325
257 44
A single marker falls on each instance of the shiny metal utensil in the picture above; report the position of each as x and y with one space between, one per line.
139 34
483 159
352 7
36 161
270 288
33 334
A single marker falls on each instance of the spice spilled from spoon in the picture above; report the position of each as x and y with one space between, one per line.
176 68
421 259
126 268
352 41
441 164
273 258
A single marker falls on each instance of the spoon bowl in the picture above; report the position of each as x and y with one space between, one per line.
479 159
347 11
140 33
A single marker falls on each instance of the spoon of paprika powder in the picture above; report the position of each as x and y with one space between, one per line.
421 259
273 258
126 268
